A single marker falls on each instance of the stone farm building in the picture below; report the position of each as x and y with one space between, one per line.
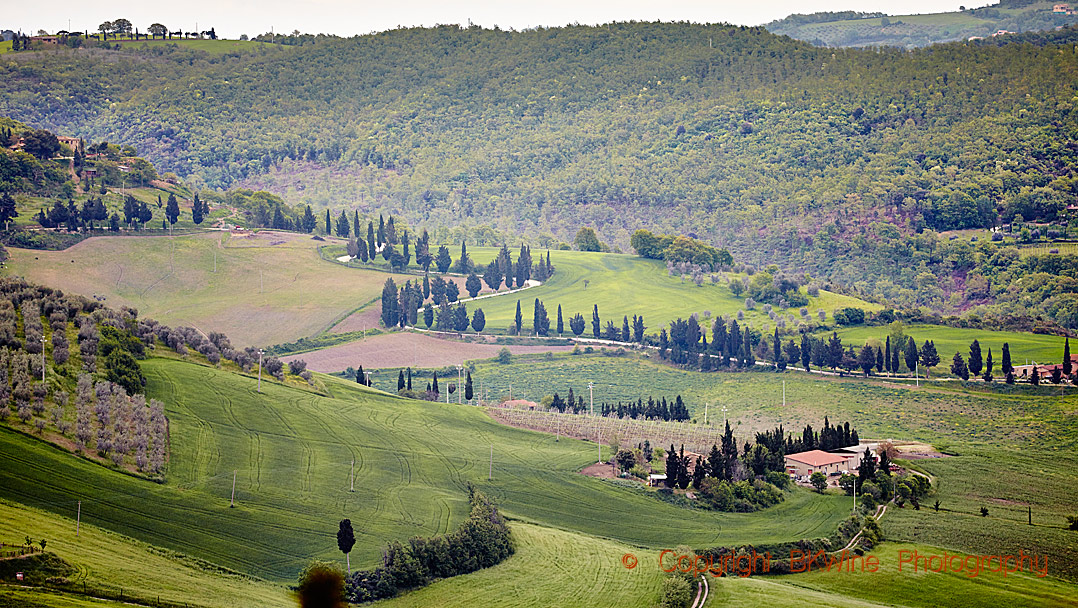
844 460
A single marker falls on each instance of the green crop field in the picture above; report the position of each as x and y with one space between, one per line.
889 587
214 47
624 285
877 407
291 452
576 570
1025 347
269 287
106 561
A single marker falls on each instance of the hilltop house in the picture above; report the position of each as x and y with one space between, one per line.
1044 371
1062 9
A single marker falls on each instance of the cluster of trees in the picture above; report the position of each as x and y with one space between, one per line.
653 409
676 249
686 344
117 425
400 307
726 481
481 541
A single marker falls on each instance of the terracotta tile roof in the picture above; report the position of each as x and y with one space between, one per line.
818 458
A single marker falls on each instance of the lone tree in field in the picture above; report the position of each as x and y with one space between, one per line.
819 481
345 540
929 357
1005 365
596 328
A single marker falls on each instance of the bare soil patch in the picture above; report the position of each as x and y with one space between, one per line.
603 471
406 349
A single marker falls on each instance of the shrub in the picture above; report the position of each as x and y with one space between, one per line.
321 585
1072 521
984 511
676 593
297 366
504 356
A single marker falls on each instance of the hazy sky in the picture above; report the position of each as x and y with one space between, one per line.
231 18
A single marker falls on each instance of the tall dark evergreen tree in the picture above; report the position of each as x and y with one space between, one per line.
346 539
911 355
355 223
929 357
626 335
343 227
443 261
987 377
959 367
196 212
1005 365
518 319
329 229
309 221
390 306
1067 366
806 351
887 356
468 389
596 328
975 363
172 209
561 325
400 381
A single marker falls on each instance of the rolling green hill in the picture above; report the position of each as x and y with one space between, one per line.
627 285
268 288
291 453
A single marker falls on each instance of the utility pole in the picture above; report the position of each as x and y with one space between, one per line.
724 416
783 393
855 494
591 399
460 368
260 370
233 504
705 412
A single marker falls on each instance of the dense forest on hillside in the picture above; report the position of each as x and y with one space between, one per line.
853 28
821 160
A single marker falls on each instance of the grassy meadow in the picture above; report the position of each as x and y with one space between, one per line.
269 287
106 562
1025 347
291 452
935 412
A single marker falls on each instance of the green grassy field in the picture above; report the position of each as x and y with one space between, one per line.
269 287
878 408
550 566
624 285
889 587
291 452
949 340
106 561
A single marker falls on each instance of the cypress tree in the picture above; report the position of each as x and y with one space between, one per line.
400 381
879 359
887 356
806 352
1067 368
911 355
987 377
390 305
975 363
561 325
672 470
894 359
595 327
372 249
434 386
360 377
329 229
518 320
625 333
355 223
1006 366
409 377
780 361
468 391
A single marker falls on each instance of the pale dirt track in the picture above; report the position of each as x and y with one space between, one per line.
403 349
